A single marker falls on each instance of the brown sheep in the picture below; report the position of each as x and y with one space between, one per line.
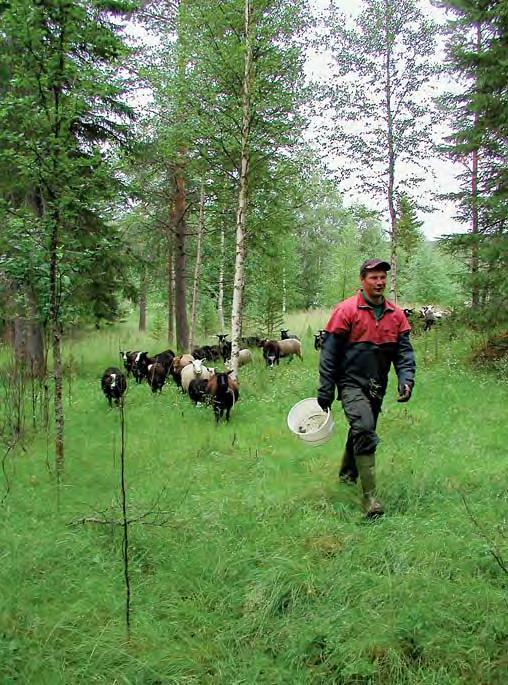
223 390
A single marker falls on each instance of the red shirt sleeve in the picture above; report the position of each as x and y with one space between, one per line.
404 326
340 320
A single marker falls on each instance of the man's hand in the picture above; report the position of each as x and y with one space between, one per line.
404 392
324 403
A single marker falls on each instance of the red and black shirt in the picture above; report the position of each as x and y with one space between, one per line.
358 349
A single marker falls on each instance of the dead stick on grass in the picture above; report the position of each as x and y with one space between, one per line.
125 526
492 546
4 469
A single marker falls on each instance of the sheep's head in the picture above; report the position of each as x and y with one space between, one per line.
198 366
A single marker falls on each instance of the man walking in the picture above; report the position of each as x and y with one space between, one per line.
364 336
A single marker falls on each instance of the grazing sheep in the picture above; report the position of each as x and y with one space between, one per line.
177 366
290 347
284 335
429 317
137 370
156 376
244 357
223 390
198 390
250 341
165 358
113 384
224 346
273 350
194 370
143 361
129 359
319 338
211 353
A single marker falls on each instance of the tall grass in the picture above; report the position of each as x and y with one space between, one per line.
250 563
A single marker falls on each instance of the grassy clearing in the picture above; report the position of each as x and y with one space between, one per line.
258 567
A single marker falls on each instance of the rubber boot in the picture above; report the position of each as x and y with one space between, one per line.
348 472
366 464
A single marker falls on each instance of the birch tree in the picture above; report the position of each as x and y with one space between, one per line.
379 99
239 282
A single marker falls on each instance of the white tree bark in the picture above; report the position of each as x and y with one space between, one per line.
220 297
239 278
391 151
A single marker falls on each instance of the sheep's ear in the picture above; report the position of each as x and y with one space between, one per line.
231 371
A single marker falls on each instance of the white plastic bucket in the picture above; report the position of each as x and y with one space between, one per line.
310 423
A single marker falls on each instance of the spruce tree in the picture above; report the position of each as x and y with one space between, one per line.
61 115
477 41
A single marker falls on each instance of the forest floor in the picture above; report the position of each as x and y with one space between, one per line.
248 561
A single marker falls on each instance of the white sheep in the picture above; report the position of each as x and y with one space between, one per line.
244 357
195 370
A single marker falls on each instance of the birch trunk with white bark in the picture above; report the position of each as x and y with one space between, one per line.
390 195
239 278
220 297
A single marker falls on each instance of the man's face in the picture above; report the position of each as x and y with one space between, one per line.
374 284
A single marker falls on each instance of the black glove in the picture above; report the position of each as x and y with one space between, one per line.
324 403
404 392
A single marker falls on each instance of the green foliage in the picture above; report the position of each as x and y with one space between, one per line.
360 237
432 276
409 237
61 116
255 564
478 112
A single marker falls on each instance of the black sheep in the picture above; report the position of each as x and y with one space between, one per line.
129 360
284 335
223 390
198 390
113 384
271 352
319 339
156 376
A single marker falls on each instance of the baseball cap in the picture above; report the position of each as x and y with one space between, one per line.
369 264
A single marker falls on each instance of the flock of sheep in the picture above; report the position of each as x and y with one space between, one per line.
201 383
205 384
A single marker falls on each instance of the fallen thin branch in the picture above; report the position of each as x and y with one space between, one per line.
115 522
493 549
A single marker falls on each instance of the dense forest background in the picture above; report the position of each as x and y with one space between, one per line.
166 156
175 169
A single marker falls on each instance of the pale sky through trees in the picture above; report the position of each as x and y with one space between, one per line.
438 222
441 220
